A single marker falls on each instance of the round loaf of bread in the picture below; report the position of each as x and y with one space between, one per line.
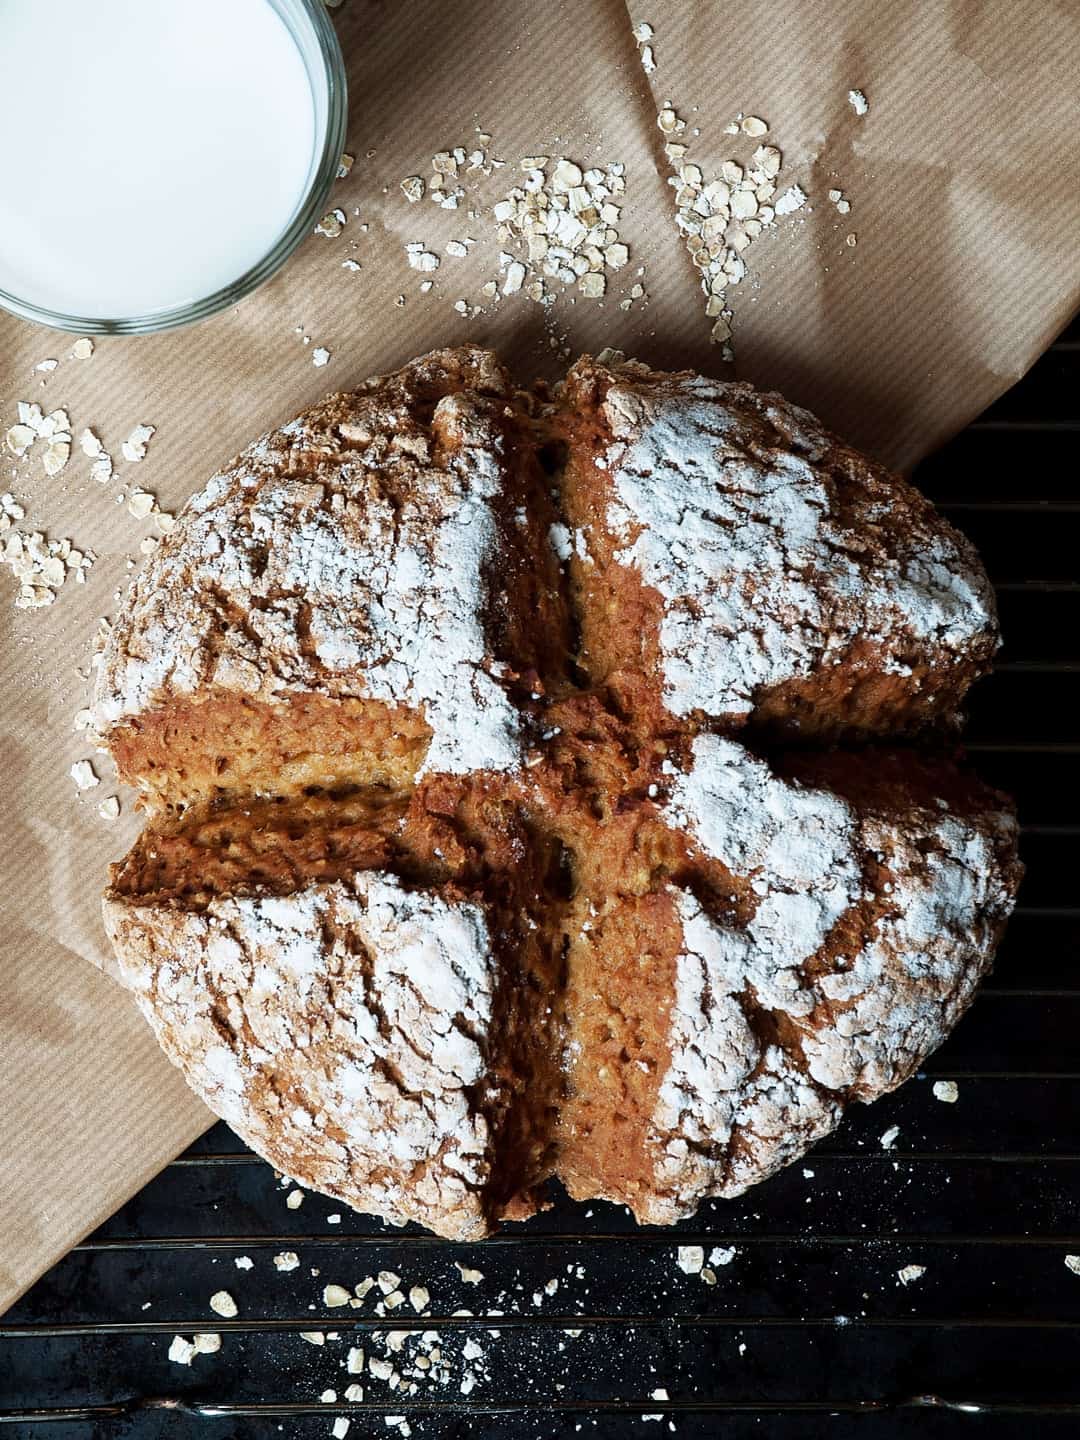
479 851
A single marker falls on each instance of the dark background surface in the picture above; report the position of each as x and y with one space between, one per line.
808 1331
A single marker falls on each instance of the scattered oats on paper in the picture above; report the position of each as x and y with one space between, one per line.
720 218
558 224
643 36
84 776
563 221
10 511
52 430
41 565
133 448
420 257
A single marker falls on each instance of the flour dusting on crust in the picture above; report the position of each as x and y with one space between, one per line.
728 502
338 1030
341 555
734 1105
775 948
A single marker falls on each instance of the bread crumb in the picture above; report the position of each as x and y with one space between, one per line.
222 1303
313 1337
320 356
858 102
243 1262
468 1276
332 224
946 1091
287 1260
208 1343
911 1273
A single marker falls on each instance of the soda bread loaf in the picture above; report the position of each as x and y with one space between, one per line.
516 792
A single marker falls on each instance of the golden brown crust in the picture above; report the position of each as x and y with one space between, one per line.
454 879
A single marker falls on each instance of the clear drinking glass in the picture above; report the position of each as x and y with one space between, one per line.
313 32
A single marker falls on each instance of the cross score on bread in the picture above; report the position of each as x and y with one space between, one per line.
517 797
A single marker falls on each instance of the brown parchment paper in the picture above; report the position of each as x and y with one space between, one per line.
965 204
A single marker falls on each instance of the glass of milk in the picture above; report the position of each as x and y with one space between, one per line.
160 158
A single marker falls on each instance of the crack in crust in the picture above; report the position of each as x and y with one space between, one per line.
455 878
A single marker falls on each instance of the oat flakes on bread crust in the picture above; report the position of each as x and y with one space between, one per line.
448 888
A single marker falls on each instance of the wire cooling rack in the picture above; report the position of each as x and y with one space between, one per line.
584 1324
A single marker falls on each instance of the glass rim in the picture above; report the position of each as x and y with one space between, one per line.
306 216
